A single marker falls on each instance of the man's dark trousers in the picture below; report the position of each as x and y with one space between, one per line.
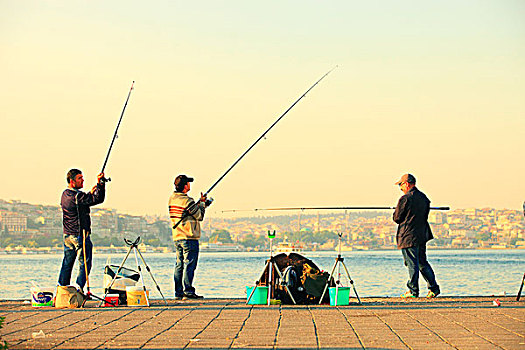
416 261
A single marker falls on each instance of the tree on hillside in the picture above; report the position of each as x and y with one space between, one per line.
308 236
483 236
221 236
251 240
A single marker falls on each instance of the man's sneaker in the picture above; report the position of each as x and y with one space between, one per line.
192 296
408 294
432 294
178 298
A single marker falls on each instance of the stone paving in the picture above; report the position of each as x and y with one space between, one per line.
377 323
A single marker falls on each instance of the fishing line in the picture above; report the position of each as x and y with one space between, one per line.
253 145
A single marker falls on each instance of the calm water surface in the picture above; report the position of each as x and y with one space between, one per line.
375 273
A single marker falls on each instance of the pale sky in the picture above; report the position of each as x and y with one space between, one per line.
436 89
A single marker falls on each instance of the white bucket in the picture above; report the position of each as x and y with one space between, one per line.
41 297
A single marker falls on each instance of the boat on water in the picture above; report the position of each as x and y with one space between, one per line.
286 247
220 247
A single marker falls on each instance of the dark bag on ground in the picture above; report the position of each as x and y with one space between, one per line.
302 277
314 280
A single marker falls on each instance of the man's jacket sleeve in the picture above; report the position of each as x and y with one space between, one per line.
401 210
89 199
196 210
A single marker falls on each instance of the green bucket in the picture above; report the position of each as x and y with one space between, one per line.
259 297
343 296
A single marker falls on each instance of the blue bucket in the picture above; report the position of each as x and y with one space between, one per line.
343 296
259 297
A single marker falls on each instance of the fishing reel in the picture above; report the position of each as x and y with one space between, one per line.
208 202
132 243
103 180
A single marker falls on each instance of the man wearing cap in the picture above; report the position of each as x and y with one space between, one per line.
413 233
186 215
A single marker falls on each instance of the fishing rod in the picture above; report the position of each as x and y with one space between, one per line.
518 296
253 145
115 135
325 208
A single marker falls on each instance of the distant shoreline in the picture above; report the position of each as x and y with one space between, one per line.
108 250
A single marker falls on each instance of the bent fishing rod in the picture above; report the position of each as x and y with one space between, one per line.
115 135
325 208
253 145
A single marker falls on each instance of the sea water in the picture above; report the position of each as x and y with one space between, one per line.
226 275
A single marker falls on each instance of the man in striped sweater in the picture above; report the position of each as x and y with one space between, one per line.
186 236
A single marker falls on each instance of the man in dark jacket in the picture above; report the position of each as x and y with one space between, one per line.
76 222
413 233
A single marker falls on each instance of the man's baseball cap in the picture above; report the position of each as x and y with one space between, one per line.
183 180
407 178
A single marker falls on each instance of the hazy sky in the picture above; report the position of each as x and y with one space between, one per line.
432 88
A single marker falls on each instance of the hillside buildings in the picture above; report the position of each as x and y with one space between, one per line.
23 224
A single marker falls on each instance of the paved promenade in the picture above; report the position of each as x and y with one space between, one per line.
378 323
